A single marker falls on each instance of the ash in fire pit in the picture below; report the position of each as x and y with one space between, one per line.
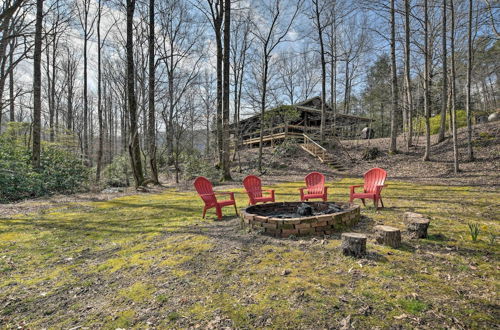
305 210
295 210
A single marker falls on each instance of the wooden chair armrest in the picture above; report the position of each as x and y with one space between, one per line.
231 194
354 187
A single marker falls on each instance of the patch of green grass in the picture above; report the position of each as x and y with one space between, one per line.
172 316
138 292
413 306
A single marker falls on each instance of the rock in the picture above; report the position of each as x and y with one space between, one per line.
494 117
286 272
388 236
353 244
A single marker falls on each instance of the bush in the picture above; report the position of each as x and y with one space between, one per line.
435 122
371 153
60 170
288 148
119 172
194 165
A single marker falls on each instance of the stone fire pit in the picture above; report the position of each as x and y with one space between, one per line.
300 218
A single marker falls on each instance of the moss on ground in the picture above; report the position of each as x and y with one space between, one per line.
150 260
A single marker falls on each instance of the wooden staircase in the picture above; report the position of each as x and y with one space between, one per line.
318 151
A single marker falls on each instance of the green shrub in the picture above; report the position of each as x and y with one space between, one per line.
61 171
194 165
435 122
119 172
288 148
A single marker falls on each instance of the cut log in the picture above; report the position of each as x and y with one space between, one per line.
417 227
408 216
353 244
388 236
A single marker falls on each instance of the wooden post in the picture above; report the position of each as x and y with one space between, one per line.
353 244
388 236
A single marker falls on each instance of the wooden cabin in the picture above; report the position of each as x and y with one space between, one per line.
299 121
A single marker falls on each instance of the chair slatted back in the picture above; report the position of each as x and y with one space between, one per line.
315 183
373 178
253 186
205 190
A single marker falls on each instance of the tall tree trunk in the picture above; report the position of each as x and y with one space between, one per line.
11 85
394 85
52 95
409 99
333 67
226 165
346 93
219 68
323 69
69 123
453 91
99 95
470 152
263 109
427 109
134 146
151 107
85 93
444 93
49 92
37 85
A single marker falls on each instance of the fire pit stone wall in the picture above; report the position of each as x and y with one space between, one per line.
324 224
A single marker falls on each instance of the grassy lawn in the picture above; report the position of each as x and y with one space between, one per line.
151 261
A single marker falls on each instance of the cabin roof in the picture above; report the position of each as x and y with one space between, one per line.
310 105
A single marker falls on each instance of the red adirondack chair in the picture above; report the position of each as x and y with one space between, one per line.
206 192
315 185
253 186
374 183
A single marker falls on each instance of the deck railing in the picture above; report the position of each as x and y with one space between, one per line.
314 148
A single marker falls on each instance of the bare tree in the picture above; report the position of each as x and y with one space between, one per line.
444 93
134 146
394 84
83 8
269 36
453 90
37 86
427 92
226 165
240 45
321 24
470 152
409 99
151 96
99 94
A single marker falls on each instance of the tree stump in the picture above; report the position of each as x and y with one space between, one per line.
408 216
353 244
388 236
417 227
